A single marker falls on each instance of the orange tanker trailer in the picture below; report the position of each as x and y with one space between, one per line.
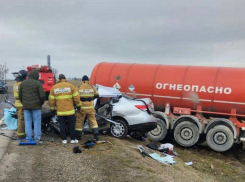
193 102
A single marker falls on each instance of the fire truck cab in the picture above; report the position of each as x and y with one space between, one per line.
46 77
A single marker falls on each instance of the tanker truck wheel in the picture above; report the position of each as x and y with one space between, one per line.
186 134
159 133
220 138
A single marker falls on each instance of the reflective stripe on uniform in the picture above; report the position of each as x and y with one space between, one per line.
79 129
66 112
63 97
94 127
75 94
18 105
79 104
16 94
20 134
51 97
86 95
51 108
87 107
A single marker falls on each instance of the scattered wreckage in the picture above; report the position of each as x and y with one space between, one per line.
163 153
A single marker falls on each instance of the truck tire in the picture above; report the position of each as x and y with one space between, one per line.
120 130
159 133
220 138
186 134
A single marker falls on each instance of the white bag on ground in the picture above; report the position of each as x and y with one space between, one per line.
166 145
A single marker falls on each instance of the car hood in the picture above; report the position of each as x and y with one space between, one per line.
107 91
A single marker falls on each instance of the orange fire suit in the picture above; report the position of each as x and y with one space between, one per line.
20 111
63 95
87 94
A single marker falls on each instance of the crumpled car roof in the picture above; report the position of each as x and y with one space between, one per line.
107 91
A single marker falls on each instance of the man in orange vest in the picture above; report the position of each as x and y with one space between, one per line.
63 95
21 76
87 94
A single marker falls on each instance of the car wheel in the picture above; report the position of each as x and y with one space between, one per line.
186 134
120 130
220 138
159 133
49 130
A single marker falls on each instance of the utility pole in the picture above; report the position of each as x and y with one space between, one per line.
5 71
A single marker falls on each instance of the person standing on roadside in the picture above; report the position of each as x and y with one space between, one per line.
20 76
63 95
32 96
87 95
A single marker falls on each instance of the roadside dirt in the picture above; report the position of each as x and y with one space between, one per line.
114 161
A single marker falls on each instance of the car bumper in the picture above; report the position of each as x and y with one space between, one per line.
144 127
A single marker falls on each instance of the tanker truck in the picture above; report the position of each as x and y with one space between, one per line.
193 103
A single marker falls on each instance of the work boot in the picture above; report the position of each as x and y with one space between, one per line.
21 137
96 134
78 135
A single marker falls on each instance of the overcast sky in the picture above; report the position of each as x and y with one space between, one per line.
78 34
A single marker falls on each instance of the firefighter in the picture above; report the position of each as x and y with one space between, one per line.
63 95
87 94
20 76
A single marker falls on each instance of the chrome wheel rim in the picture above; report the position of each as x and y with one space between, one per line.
117 130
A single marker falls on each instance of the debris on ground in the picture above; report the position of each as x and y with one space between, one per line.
189 163
9 119
166 149
168 146
27 142
77 150
163 159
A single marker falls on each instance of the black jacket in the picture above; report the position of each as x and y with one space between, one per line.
31 92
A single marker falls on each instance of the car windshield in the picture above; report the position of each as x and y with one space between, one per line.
1 82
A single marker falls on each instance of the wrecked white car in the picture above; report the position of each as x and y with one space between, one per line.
132 115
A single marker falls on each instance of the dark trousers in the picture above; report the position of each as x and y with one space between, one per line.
71 120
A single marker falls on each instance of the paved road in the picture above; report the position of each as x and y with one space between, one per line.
4 141
10 96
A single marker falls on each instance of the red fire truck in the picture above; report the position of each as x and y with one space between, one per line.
46 77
